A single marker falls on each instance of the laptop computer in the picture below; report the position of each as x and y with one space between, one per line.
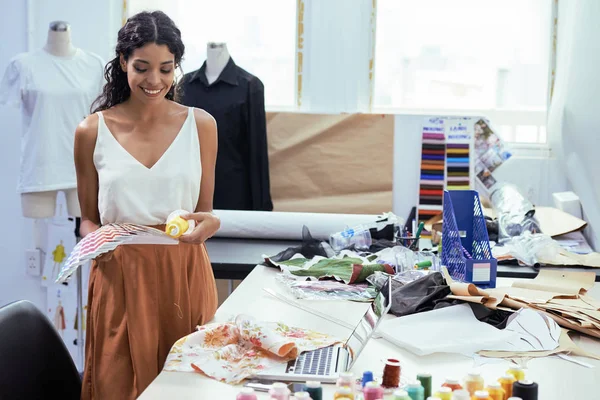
326 364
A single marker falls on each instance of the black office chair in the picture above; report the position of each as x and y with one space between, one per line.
34 361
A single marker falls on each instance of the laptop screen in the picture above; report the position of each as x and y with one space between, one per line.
368 323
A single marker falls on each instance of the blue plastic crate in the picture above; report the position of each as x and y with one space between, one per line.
466 250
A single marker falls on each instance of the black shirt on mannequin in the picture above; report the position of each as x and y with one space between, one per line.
236 101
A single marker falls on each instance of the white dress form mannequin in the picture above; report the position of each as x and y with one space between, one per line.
217 57
43 204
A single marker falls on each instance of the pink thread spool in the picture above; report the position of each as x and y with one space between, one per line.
373 391
246 394
279 391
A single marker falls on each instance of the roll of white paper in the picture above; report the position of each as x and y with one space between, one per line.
286 225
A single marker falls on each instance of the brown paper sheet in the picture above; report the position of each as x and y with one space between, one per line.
555 222
526 295
579 303
565 345
561 282
466 289
338 163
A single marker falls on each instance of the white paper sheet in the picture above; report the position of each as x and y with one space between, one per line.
451 329
534 332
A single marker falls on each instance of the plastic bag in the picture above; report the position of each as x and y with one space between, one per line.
515 213
326 290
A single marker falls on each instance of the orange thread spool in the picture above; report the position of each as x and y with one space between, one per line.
391 374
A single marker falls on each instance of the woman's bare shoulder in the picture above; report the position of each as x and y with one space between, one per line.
205 122
87 130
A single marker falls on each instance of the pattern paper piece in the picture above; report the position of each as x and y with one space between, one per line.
59 243
231 352
108 238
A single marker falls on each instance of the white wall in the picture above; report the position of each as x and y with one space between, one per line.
573 118
538 176
94 27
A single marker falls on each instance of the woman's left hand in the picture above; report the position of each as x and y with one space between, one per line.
207 224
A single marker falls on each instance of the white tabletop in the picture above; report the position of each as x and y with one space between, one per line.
557 379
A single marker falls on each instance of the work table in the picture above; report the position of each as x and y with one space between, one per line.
249 298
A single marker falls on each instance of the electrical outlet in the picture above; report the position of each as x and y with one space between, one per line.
32 262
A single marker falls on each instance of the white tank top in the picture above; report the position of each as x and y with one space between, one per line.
129 192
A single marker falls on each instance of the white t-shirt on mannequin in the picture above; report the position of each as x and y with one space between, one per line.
55 95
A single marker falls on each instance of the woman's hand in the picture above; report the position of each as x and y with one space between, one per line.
207 224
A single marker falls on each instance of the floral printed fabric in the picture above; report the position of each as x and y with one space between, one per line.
231 352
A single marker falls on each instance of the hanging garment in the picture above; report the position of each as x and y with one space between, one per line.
54 95
236 101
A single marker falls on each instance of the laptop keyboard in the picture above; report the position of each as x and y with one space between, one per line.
314 362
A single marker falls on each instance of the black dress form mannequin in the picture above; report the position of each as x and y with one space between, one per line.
235 98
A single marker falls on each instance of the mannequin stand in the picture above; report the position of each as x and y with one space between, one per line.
80 344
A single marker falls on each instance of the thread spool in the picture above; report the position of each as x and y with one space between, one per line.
246 394
367 377
507 381
473 382
177 226
481 395
517 372
495 390
279 391
425 380
314 389
452 383
373 391
444 393
415 390
525 389
302 395
401 395
391 374
461 394
344 393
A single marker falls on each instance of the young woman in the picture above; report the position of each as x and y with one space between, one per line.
139 157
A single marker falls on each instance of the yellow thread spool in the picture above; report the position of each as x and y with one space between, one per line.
517 372
177 227
496 391
506 382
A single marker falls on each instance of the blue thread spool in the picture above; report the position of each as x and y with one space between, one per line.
415 390
367 377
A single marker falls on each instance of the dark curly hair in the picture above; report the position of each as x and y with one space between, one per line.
139 30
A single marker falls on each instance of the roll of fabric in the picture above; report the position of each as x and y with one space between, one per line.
287 225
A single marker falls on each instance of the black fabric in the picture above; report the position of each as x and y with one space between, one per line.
309 248
34 361
429 293
419 295
236 101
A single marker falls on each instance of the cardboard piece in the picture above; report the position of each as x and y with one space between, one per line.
561 282
555 222
564 300
331 163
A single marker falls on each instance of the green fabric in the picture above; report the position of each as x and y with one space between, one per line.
341 269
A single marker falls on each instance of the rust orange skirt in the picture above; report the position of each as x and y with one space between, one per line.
142 299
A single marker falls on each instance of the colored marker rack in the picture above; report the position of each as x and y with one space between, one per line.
466 250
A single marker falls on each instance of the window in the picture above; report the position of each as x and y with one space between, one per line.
260 36
466 55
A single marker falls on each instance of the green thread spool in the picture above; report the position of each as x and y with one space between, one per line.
423 264
425 380
314 389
